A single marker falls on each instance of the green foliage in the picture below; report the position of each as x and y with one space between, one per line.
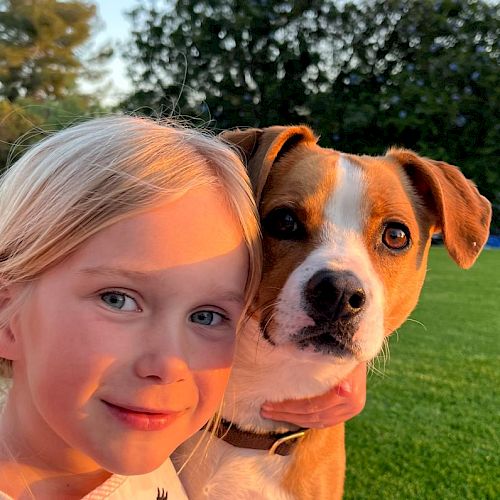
37 46
430 428
13 125
39 66
247 62
366 75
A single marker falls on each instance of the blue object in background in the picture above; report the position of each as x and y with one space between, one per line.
493 242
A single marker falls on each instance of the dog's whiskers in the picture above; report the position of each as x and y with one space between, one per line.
382 358
417 322
375 369
264 331
259 311
386 351
267 306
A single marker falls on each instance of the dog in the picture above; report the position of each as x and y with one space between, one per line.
346 240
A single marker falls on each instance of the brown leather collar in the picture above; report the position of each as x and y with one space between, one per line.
276 443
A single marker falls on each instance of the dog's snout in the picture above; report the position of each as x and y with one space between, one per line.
333 295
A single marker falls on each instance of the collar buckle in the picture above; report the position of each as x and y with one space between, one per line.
280 441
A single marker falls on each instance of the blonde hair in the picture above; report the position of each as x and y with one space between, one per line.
89 176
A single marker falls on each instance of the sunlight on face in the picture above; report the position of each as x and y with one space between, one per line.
127 344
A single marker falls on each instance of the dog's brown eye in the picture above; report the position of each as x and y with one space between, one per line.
396 236
283 224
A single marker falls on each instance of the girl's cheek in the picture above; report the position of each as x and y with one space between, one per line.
208 356
211 386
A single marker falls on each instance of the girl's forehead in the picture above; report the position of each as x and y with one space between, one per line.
195 227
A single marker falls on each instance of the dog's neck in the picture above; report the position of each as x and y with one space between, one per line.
264 372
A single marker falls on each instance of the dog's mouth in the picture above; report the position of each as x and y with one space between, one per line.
330 340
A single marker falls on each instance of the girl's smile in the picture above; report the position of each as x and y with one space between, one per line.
143 419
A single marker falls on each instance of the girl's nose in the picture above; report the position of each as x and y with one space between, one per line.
161 367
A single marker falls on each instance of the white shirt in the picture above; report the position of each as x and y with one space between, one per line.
161 484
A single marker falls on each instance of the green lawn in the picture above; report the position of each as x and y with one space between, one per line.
430 428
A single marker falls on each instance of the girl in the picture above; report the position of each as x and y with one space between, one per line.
129 251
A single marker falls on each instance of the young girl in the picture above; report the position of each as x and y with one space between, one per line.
129 251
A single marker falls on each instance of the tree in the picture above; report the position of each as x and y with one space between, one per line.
230 57
38 40
366 75
39 66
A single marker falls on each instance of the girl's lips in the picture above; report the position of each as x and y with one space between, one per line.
143 419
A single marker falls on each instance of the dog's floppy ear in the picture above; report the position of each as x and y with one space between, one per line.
463 215
263 147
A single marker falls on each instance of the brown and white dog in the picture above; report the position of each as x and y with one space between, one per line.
346 240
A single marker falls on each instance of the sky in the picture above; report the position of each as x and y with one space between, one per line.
113 28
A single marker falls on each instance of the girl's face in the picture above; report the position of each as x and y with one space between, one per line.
125 347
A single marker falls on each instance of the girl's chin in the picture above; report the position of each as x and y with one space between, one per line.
136 464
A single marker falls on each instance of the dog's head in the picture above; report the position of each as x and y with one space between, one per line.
346 237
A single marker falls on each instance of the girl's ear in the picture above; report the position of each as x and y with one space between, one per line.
9 343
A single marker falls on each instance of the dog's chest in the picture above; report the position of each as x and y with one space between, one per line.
224 471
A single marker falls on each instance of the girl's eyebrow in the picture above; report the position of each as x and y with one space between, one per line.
116 271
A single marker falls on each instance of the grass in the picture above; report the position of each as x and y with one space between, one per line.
430 428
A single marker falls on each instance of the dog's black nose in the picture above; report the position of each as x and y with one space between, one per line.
333 295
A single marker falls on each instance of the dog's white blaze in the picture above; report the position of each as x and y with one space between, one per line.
343 210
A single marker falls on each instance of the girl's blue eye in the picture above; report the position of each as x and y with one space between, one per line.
120 301
207 318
